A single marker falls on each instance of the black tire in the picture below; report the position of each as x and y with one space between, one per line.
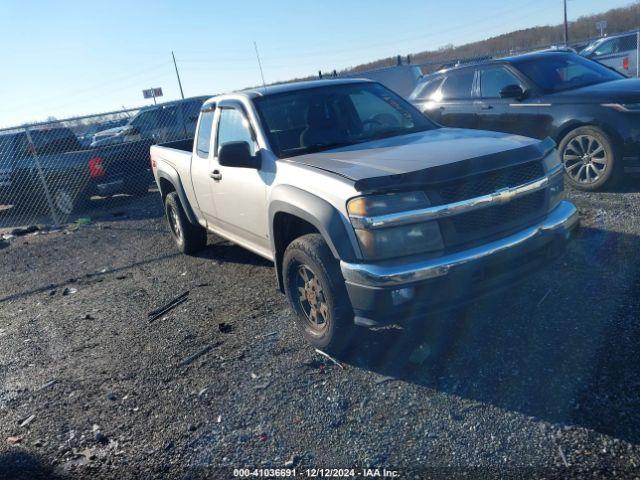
333 329
189 238
590 159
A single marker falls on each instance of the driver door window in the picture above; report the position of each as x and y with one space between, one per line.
493 80
234 127
146 121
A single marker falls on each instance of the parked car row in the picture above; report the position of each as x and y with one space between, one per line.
619 52
161 123
85 136
591 111
117 162
56 163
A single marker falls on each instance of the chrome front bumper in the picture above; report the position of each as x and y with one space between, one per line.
557 225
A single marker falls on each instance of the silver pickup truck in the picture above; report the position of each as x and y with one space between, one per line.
371 213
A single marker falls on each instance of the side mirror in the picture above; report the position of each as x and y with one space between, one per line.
512 91
131 131
238 154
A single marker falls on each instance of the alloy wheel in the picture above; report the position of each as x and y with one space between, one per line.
174 223
585 159
312 300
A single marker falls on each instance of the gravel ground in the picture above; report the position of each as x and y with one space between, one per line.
542 381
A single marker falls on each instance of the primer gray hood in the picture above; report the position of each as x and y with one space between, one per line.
398 158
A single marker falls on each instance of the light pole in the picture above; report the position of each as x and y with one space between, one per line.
566 26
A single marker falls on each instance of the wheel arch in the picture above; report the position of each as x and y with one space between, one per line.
169 181
294 212
565 129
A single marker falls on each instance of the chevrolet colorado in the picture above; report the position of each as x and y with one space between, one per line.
371 213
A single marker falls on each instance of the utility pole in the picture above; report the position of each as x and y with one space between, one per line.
566 26
177 75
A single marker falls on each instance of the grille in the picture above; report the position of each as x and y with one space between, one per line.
490 218
490 182
470 227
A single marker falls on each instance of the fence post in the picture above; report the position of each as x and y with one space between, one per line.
45 187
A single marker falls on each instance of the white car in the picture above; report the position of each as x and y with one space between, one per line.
619 52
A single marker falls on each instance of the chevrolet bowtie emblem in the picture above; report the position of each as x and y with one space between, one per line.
504 195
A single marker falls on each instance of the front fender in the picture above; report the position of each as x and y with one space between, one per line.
325 218
335 229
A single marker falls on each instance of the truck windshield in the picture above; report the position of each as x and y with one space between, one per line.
316 119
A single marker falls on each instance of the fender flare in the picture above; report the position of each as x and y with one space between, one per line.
171 175
339 235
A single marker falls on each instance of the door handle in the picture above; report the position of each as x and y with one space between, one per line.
216 175
486 107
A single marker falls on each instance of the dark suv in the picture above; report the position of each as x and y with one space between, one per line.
591 111
161 123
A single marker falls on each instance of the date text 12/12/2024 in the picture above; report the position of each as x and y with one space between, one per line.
316 473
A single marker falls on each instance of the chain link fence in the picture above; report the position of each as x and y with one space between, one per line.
58 171
55 172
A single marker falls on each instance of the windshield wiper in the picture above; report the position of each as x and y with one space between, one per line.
395 131
321 147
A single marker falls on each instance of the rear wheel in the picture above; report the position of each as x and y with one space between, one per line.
316 291
189 238
589 159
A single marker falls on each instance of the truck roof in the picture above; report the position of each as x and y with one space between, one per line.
173 102
289 87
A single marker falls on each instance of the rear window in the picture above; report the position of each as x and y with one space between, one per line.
458 85
204 134
55 140
428 90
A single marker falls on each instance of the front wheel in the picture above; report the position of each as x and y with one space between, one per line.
316 291
189 238
589 159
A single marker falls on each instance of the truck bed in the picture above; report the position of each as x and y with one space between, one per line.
177 154
184 145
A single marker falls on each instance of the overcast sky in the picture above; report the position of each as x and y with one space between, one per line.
63 58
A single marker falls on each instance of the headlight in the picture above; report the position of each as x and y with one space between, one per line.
381 243
623 107
390 203
556 185
553 168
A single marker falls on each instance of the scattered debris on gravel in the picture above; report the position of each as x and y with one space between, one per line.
543 378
